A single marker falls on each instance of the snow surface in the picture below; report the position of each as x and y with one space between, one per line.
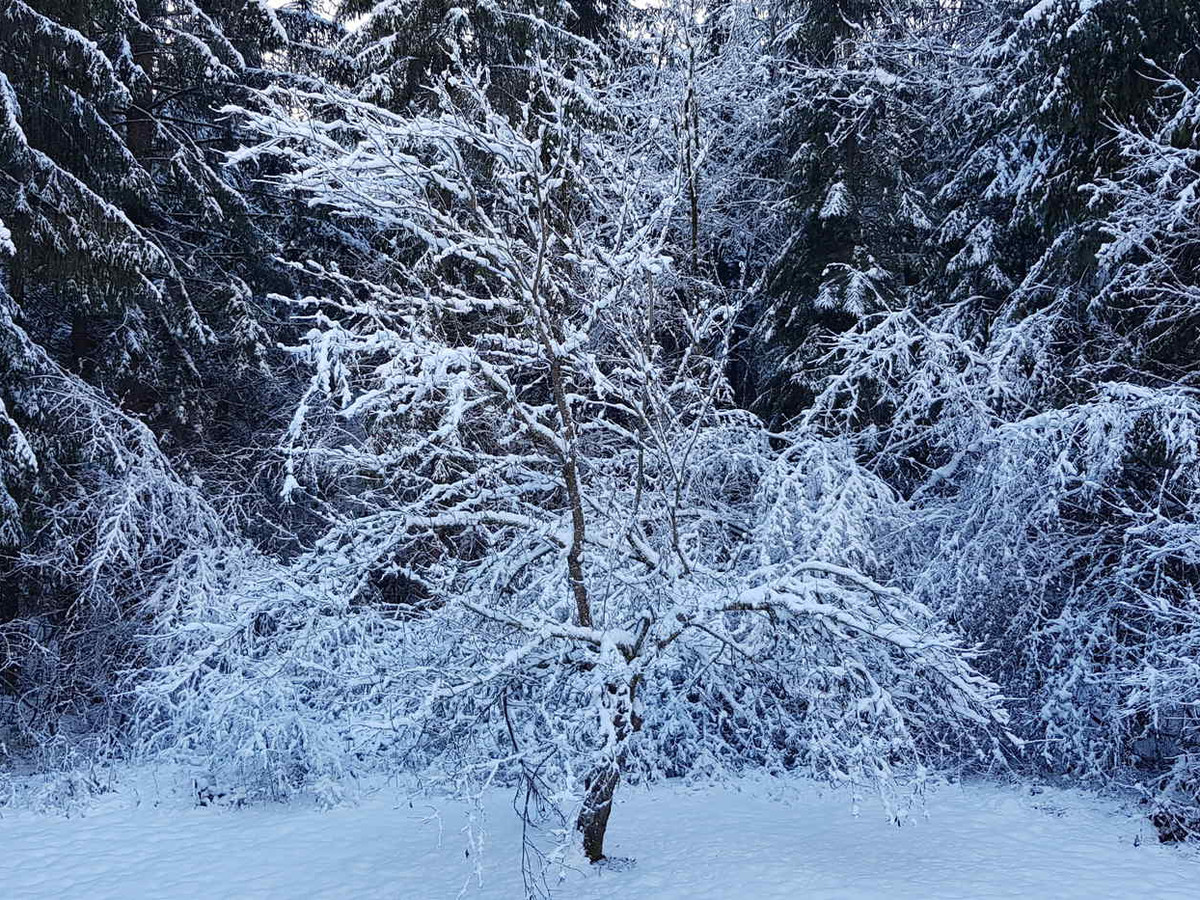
979 841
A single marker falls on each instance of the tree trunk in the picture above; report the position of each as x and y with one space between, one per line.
84 343
602 783
140 127
597 806
10 608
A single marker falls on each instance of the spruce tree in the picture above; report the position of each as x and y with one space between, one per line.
134 270
850 125
401 46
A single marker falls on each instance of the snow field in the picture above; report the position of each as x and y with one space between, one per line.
978 841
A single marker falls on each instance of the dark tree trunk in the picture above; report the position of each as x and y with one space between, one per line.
141 127
84 343
602 783
597 806
592 20
10 608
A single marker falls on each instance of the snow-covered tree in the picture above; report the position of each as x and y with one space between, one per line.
95 521
597 569
852 118
399 47
589 392
134 273
1033 399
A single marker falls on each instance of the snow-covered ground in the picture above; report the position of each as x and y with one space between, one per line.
979 841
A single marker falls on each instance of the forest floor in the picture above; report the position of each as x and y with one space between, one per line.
744 842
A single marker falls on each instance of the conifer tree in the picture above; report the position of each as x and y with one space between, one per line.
134 272
402 46
851 126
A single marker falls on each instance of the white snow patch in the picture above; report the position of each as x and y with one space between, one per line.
1040 10
979 841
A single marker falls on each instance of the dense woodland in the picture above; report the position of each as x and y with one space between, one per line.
572 394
